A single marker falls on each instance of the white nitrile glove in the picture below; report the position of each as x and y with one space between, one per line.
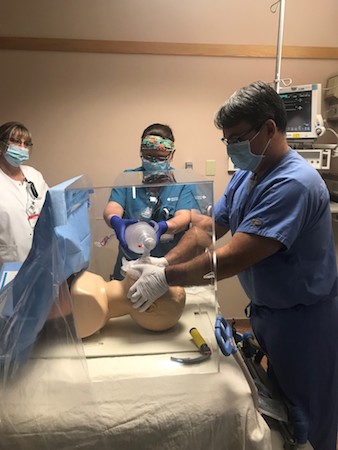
150 286
127 266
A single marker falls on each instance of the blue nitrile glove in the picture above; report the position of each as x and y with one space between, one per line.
160 228
119 226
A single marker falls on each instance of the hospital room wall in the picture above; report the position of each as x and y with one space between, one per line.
87 110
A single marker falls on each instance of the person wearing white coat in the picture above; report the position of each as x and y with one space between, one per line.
23 191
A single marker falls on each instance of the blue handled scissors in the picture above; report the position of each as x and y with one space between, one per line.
224 337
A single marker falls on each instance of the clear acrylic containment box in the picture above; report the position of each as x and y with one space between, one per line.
131 345
82 325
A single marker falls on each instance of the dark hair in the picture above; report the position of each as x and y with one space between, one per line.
158 129
9 128
254 104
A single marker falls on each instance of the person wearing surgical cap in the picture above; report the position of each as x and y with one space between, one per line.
167 207
23 191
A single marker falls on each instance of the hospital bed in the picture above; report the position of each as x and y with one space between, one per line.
129 402
60 393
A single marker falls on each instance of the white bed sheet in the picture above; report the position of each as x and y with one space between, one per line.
131 401
212 411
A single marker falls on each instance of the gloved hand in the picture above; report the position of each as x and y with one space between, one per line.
160 262
150 286
160 228
127 266
119 226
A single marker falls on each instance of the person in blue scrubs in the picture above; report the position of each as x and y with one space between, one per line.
277 209
168 205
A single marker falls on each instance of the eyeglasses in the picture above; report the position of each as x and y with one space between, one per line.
237 139
20 142
156 158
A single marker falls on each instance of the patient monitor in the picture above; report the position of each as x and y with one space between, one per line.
303 109
95 301
305 123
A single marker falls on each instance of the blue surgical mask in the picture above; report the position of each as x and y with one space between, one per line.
242 156
155 166
16 155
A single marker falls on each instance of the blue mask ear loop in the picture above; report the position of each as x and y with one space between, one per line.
267 144
250 140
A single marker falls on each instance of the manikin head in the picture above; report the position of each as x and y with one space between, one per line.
95 301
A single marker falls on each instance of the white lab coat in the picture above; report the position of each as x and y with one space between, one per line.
16 206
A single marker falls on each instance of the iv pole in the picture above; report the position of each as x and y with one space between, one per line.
279 44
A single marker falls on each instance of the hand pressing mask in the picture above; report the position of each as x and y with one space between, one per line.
150 285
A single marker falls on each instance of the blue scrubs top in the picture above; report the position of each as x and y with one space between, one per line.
290 204
171 198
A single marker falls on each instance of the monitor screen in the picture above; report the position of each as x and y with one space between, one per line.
303 109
